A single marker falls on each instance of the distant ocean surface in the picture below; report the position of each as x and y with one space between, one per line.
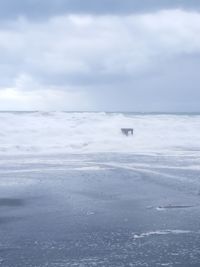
82 132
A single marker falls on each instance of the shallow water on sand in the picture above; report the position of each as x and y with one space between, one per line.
99 210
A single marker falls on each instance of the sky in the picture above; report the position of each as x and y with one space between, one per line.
100 55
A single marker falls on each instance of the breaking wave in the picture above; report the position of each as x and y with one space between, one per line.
62 132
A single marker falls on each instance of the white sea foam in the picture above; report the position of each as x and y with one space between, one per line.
162 232
60 132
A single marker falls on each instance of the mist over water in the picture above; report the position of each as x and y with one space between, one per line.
62 132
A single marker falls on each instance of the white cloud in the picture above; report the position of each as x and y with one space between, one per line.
76 46
28 95
78 43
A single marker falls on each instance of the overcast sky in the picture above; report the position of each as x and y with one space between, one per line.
109 55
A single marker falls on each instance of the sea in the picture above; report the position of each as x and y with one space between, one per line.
98 132
76 192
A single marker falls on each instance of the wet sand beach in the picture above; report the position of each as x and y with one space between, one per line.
99 210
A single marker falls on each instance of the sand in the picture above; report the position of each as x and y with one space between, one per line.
99 210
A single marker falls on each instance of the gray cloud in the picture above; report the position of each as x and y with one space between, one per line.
139 62
37 9
103 50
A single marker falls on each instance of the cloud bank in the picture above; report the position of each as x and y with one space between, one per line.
41 10
140 61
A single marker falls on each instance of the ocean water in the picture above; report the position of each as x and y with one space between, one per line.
62 132
75 191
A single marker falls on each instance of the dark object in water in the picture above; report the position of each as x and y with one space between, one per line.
126 131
